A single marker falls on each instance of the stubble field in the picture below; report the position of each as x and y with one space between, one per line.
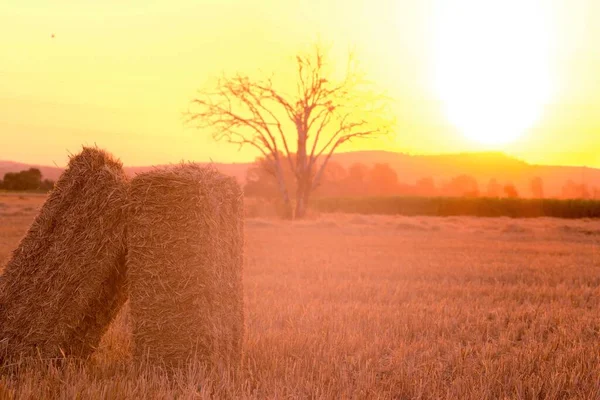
350 306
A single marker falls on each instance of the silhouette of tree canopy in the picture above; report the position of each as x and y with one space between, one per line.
302 128
510 191
383 180
358 175
260 181
462 186
572 190
30 179
335 181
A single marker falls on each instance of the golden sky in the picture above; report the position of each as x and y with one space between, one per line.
119 74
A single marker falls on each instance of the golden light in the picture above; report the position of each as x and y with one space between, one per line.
491 66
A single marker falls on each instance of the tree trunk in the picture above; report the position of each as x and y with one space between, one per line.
307 193
302 171
302 197
299 213
285 197
287 207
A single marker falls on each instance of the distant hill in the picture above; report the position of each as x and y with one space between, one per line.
410 168
482 166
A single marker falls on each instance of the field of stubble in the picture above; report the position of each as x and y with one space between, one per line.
349 306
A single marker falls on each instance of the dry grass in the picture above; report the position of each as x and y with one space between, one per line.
185 253
65 281
340 307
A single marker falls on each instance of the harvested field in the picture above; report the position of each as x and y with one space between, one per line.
342 308
185 253
65 281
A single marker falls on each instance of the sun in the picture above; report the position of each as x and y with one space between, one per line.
491 66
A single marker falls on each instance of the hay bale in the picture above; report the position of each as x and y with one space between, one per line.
66 280
185 253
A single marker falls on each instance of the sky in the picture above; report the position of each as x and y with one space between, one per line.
461 73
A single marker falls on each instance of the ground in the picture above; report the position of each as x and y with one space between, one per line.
350 306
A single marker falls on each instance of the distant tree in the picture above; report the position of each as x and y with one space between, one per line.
462 185
383 180
10 181
261 180
358 172
585 193
357 179
334 181
572 190
537 187
47 185
301 128
510 191
335 172
494 189
24 180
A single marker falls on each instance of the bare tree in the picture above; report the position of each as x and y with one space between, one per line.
302 127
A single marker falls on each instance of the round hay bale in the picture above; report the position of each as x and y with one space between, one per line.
65 281
185 255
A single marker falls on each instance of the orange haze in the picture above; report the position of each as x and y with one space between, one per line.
119 74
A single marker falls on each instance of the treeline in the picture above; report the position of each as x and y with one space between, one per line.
29 180
454 206
382 180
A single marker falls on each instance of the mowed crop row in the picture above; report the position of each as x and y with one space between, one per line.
461 206
379 307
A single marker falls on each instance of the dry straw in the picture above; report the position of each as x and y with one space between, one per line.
185 250
66 280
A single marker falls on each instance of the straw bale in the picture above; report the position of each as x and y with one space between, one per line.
66 280
184 262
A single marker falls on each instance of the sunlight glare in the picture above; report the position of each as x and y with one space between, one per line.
491 66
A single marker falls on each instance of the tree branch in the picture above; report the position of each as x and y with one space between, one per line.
322 115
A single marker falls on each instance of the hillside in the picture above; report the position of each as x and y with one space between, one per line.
482 166
410 168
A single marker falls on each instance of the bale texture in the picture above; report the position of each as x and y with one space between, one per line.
185 254
66 280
